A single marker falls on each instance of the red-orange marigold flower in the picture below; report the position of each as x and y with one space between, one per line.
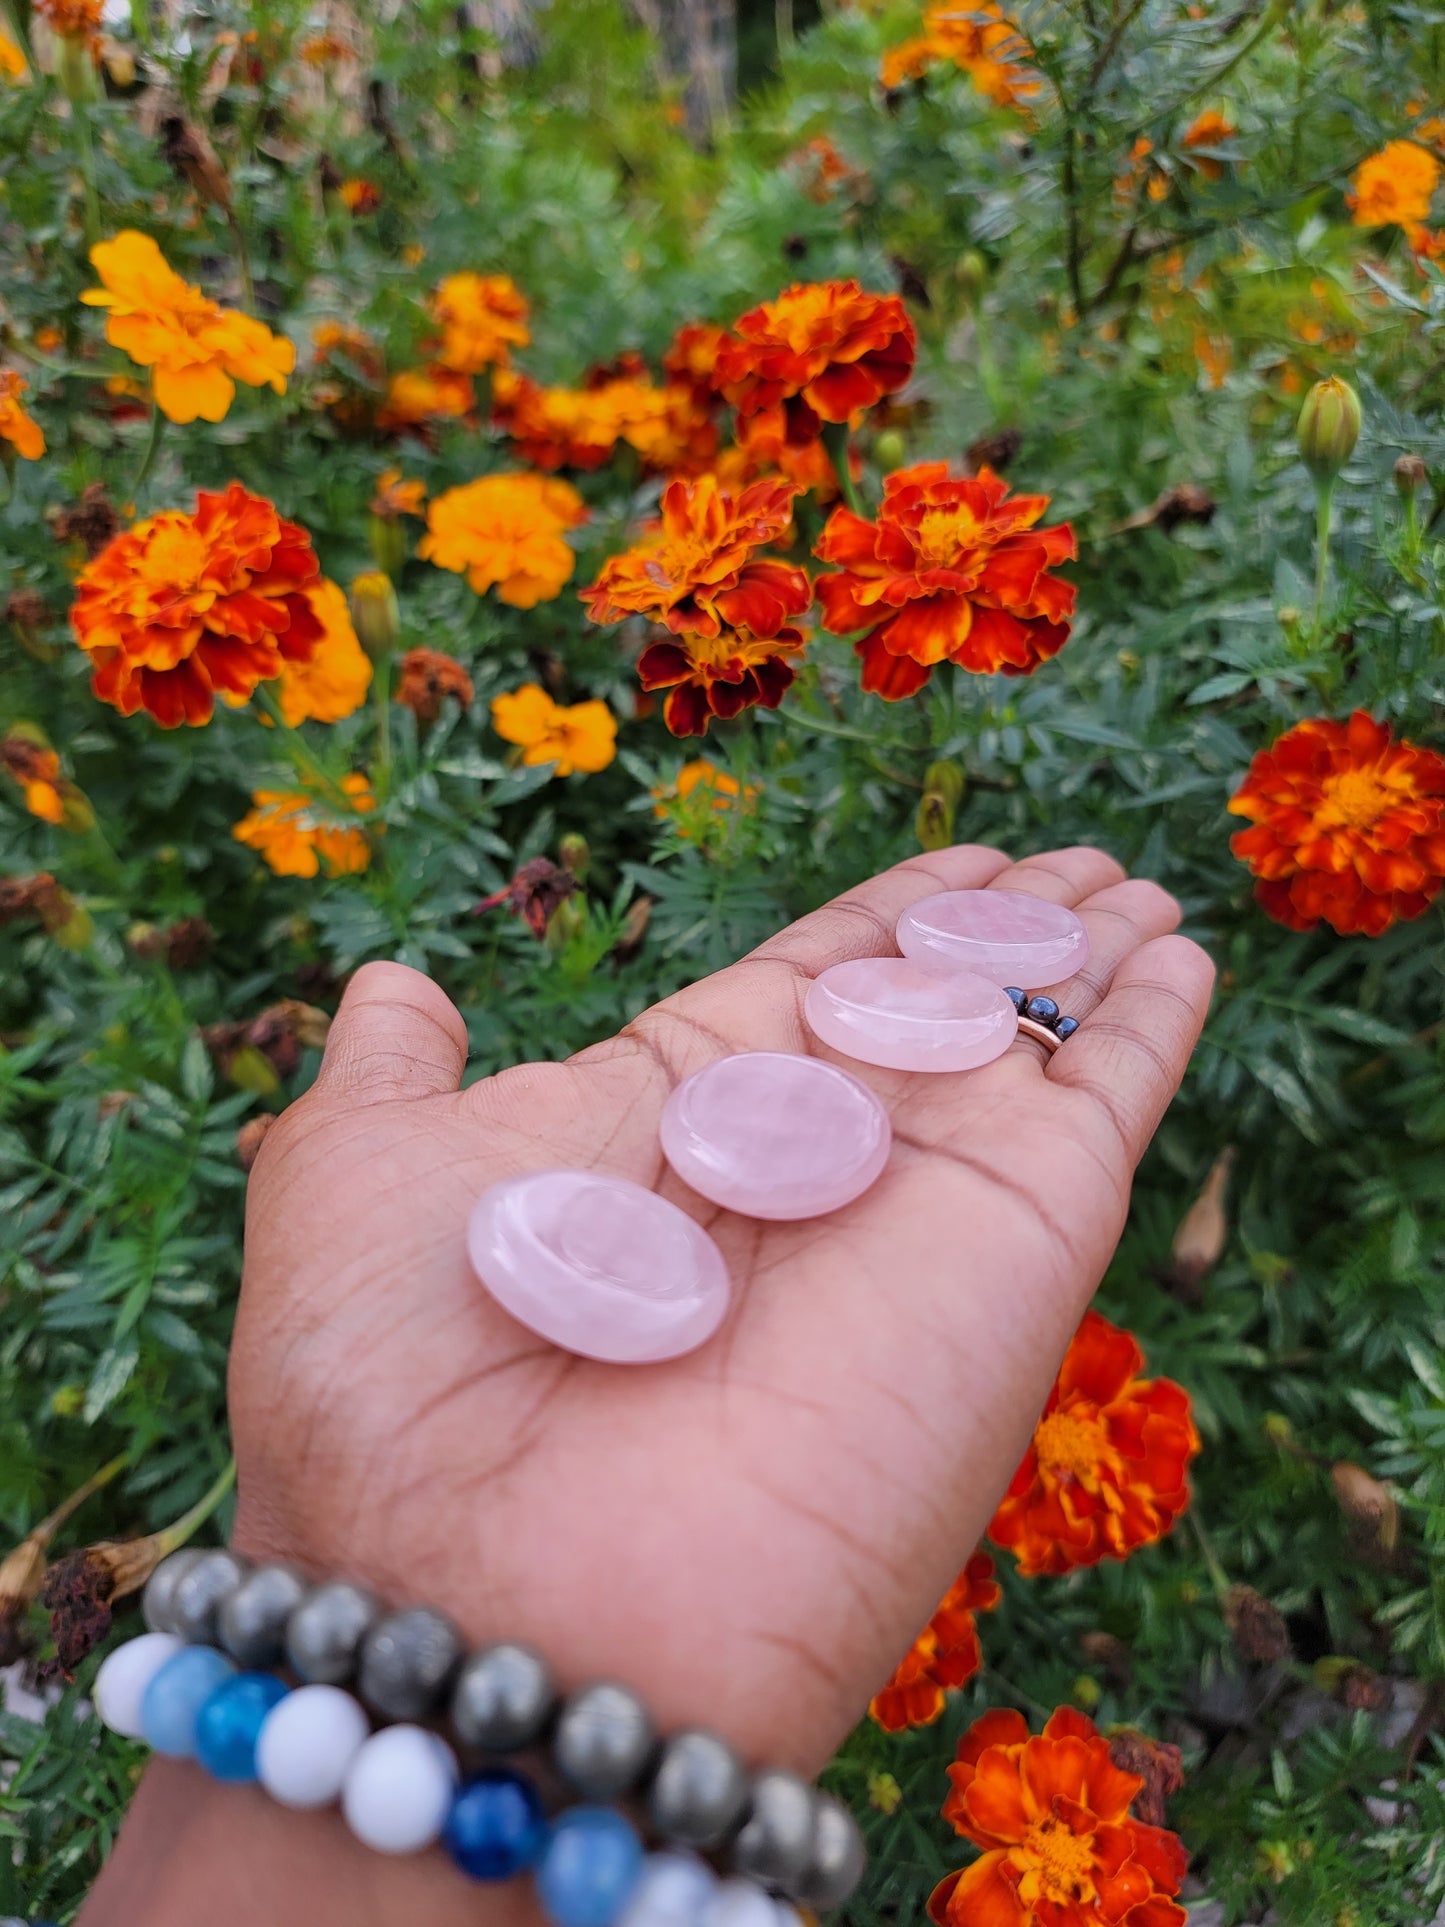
1105 1472
554 427
1060 1847
183 608
1349 826
692 359
696 571
952 570
945 1655
823 349
719 675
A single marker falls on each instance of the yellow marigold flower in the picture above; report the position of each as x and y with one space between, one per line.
395 497
196 351
299 835
580 737
482 317
12 60
332 682
1394 187
16 427
506 532
426 394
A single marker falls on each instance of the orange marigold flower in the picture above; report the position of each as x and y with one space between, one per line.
944 1656
671 430
72 19
36 769
1060 1847
323 50
16 427
1349 826
506 531
696 571
360 196
823 349
822 167
715 790
183 608
196 351
427 678
1394 187
334 340
952 570
394 497
692 359
1209 129
331 683
419 395
719 675
12 60
1106 1470
978 39
482 318
298 835
579 737
554 427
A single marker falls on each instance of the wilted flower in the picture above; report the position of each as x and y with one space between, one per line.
1060 1848
79 1591
576 737
93 522
183 608
534 893
298 835
1348 826
952 570
16 427
428 678
1106 1470
944 1656
1256 1626
482 318
506 531
823 349
183 944
331 683
196 351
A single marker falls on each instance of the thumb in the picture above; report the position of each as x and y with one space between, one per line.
396 1035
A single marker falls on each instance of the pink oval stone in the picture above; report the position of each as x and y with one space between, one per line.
886 1010
1004 935
598 1265
774 1136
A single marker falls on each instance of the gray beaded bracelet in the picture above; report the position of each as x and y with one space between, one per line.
412 1665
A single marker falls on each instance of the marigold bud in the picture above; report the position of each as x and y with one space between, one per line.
1410 474
386 537
943 787
576 855
970 272
889 450
1086 1693
76 68
884 1793
1204 1229
375 612
1329 427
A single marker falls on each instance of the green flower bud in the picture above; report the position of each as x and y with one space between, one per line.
575 854
375 612
889 450
387 540
943 786
1329 427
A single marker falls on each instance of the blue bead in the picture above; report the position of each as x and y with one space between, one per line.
227 1725
592 1863
1066 1026
176 1695
496 1827
1043 1010
1018 998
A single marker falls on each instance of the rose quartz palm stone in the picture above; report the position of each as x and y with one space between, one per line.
774 1136
888 1011
1004 935
598 1265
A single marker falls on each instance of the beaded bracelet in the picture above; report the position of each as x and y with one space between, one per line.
400 1787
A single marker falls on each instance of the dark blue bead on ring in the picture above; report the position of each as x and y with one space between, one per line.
496 1828
1043 1010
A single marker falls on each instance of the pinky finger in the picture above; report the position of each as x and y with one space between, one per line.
1130 1056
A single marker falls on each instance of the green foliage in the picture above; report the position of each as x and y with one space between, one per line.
1141 321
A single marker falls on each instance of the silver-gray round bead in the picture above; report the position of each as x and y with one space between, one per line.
604 1740
503 1699
324 1634
202 1590
838 1856
252 1621
699 1790
158 1605
407 1663
776 1840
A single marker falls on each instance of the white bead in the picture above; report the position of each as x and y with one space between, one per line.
672 1891
741 1903
307 1743
124 1676
399 1789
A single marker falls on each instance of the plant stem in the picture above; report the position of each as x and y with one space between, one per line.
305 763
248 289
1324 498
153 440
178 1533
381 695
835 440
80 114
52 1523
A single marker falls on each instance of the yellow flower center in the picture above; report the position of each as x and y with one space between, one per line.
1069 1445
1063 1861
177 556
943 534
1359 796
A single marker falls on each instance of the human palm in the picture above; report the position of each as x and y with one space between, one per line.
751 1534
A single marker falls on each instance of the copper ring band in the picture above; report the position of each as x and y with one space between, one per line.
1040 1033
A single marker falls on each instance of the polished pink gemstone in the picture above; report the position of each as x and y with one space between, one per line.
598 1265
774 1136
886 1010
1004 935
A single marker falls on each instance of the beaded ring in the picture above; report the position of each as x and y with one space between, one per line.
1041 1019
400 1788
